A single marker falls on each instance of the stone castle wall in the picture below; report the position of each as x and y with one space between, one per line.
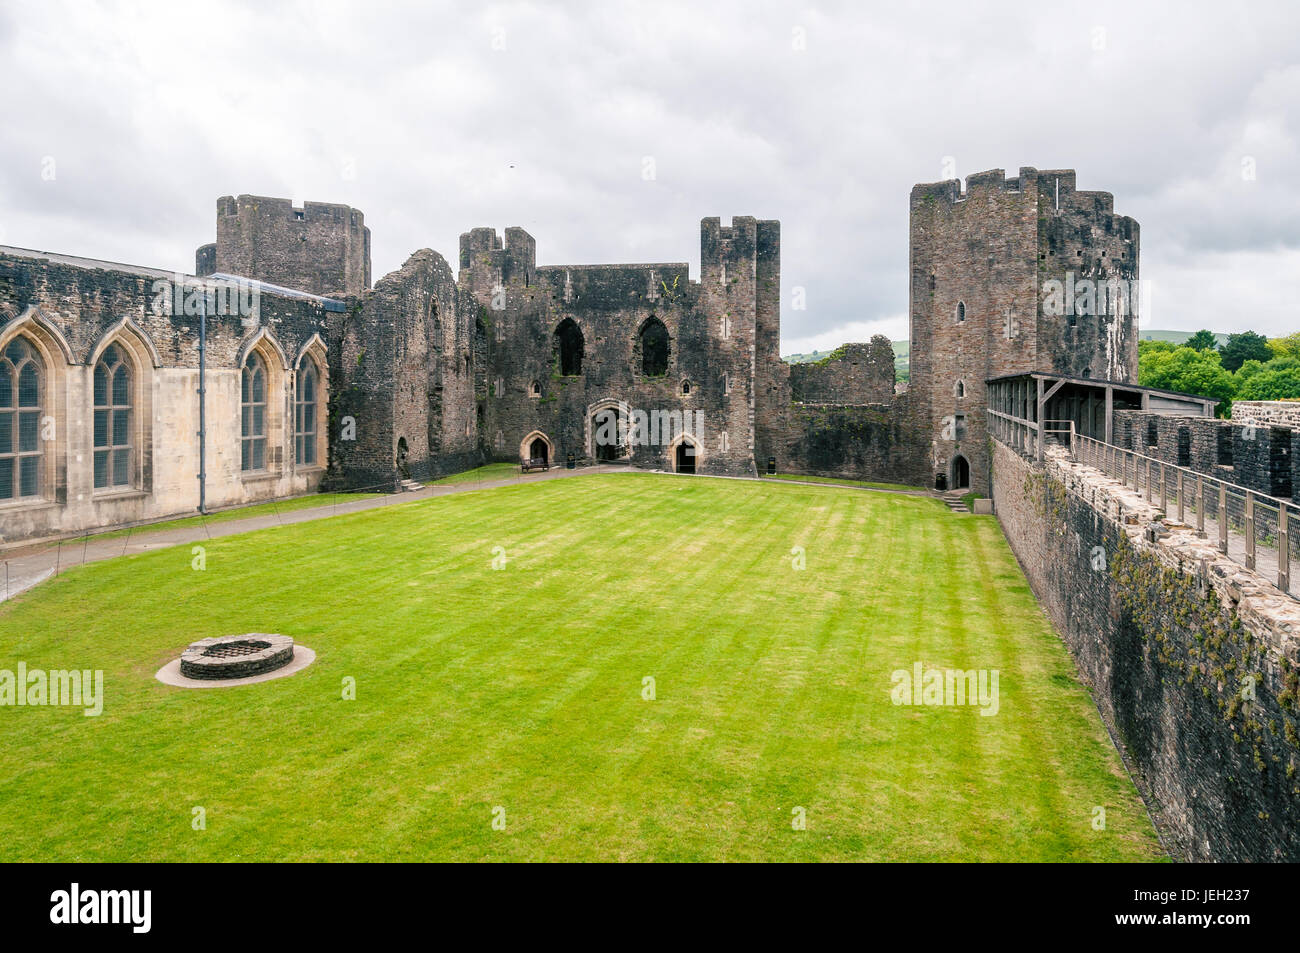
1192 660
1267 413
1263 458
713 336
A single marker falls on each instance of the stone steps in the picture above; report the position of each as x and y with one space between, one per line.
409 486
955 503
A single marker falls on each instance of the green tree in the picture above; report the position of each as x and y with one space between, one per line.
1202 341
1247 370
1246 346
1191 371
1272 383
1147 346
1288 346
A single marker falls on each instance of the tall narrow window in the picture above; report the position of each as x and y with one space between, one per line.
654 348
20 421
252 451
304 416
569 345
112 420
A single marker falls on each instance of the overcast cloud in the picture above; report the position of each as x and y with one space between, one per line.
435 118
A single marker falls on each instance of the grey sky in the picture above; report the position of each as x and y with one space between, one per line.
434 118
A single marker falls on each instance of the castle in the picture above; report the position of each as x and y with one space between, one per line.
320 379
129 394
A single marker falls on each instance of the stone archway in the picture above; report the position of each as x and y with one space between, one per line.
685 454
607 426
536 446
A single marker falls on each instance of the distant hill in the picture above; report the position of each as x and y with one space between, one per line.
1178 337
902 351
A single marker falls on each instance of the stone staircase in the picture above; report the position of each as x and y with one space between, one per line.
955 503
409 486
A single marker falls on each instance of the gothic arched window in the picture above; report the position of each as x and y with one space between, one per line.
21 373
112 419
252 410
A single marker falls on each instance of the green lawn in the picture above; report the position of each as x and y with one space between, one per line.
491 471
242 512
522 689
837 481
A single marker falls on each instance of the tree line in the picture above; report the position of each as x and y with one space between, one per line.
1248 366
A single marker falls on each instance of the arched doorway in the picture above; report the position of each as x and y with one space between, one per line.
607 432
403 462
536 446
684 457
606 435
538 450
960 473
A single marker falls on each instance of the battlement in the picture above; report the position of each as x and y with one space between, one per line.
983 183
735 250
516 257
322 248
268 207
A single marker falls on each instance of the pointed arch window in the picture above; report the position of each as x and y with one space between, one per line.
112 426
252 409
21 386
305 415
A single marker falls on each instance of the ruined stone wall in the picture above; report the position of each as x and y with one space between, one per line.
1168 634
851 374
406 380
711 327
319 248
72 309
871 442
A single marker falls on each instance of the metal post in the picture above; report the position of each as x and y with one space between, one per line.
1283 549
1164 488
1180 496
203 410
1200 506
1250 530
1223 518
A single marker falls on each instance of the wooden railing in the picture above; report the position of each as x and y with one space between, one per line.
1251 528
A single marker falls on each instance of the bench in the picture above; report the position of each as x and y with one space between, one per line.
535 463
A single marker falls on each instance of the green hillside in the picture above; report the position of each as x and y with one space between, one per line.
902 349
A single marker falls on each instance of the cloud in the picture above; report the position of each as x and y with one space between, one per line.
436 118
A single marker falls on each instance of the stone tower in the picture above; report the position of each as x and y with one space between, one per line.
319 248
981 262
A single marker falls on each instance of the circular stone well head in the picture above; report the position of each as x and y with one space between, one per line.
236 656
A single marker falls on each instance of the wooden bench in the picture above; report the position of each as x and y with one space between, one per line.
535 463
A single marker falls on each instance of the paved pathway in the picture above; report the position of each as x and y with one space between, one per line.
30 565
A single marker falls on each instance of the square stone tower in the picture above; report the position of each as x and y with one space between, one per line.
320 248
984 265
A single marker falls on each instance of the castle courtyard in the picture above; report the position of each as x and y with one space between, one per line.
616 666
